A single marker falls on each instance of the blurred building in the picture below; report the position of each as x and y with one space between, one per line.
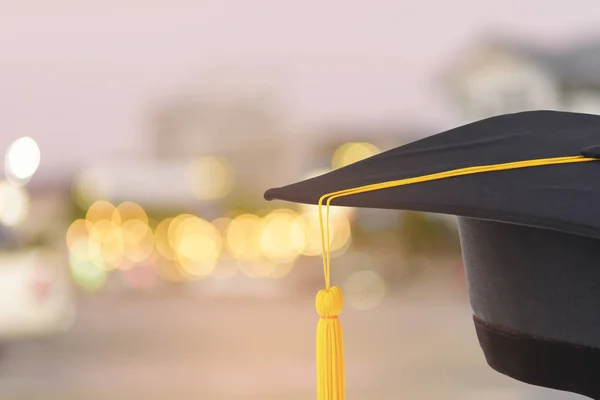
246 128
503 76
212 145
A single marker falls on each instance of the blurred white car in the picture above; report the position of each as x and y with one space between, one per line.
35 295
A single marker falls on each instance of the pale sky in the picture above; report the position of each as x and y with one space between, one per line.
78 76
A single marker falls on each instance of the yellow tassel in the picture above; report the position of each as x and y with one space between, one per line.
330 346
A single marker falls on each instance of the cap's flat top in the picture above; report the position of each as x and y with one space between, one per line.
562 197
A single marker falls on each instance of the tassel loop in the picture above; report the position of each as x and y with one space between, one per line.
330 346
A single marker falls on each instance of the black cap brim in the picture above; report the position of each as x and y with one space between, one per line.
560 197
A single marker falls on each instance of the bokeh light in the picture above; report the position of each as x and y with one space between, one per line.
222 224
210 178
350 153
102 210
168 270
138 240
108 236
187 247
364 290
334 211
78 243
87 274
175 229
111 237
198 246
244 237
128 211
161 240
277 242
14 204
22 160
306 233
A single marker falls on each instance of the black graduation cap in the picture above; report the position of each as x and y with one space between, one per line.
528 207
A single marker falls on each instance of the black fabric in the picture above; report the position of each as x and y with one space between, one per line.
535 281
561 197
541 362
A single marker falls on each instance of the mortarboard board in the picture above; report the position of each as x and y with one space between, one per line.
526 190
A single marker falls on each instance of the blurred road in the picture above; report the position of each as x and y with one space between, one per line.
182 346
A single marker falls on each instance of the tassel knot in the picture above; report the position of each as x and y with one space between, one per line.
330 302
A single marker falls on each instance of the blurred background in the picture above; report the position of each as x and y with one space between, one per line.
137 256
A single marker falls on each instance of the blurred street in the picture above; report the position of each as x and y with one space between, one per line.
183 346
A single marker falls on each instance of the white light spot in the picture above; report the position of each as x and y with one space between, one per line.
22 159
364 290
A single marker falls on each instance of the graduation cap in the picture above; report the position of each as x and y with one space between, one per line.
526 190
